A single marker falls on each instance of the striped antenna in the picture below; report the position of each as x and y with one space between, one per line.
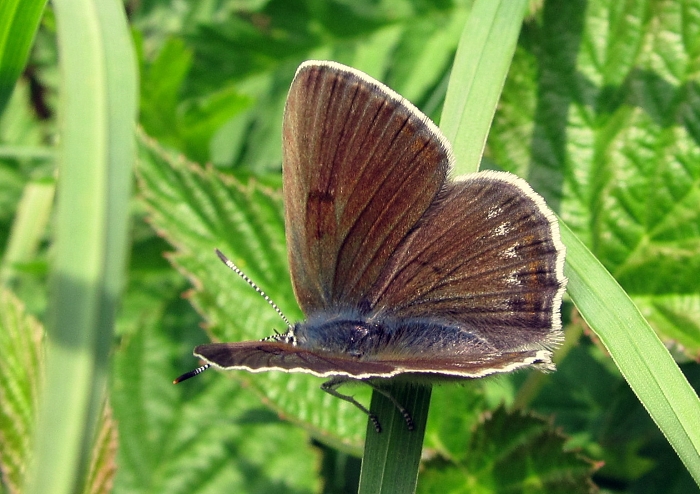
191 373
240 273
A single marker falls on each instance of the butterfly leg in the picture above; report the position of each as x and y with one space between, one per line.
402 410
331 386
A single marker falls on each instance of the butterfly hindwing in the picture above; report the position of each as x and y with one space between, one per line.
487 257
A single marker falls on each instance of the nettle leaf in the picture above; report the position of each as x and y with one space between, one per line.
210 437
103 466
162 83
198 210
188 124
21 375
510 452
604 419
233 47
602 413
409 45
612 143
454 411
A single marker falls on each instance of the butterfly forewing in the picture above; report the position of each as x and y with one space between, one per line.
259 356
262 356
361 166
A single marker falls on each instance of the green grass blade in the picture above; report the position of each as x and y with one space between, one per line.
21 369
28 227
481 64
478 74
98 109
394 465
639 354
18 23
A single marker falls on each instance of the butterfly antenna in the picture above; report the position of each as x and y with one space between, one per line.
191 373
240 273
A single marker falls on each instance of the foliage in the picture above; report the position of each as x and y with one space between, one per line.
599 113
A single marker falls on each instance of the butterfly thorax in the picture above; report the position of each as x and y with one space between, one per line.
365 338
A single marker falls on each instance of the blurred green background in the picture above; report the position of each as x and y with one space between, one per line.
600 113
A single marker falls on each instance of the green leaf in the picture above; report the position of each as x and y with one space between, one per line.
21 374
95 157
208 435
626 179
199 210
100 476
614 148
607 422
25 174
454 412
22 367
187 123
510 453
199 120
28 227
637 351
407 45
161 88
19 20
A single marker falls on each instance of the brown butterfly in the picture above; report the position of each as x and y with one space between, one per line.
399 270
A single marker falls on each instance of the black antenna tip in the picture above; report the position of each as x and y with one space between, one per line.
191 373
223 258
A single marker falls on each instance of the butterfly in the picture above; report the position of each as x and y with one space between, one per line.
399 270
